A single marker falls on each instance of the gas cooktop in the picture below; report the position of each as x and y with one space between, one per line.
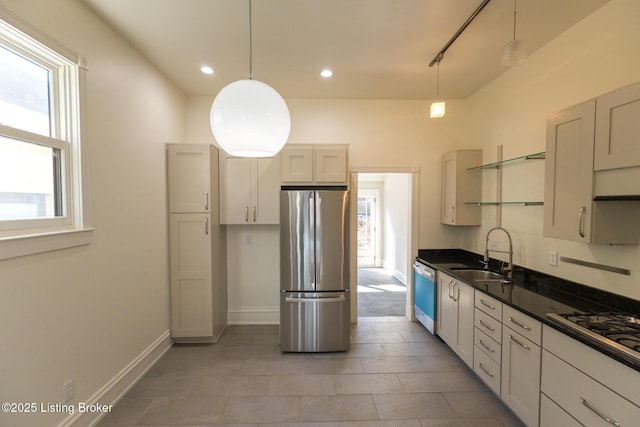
618 332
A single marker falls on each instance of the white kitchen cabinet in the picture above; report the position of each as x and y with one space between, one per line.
460 185
189 178
586 384
249 190
570 211
520 389
314 165
617 129
553 415
198 287
455 316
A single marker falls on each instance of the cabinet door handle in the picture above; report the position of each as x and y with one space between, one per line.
450 294
454 292
254 214
486 326
485 370
206 226
526 347
482 343
598 413
486 304
515 322
246 214
583 210
206 201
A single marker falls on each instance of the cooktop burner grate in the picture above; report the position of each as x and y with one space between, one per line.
619 332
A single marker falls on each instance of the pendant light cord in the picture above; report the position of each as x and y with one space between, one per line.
438 81
251 45
515 4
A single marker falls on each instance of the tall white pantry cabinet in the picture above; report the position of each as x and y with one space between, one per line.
197 241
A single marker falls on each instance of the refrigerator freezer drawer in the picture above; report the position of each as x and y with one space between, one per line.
314 321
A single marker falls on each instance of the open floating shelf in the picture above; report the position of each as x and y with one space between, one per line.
496 165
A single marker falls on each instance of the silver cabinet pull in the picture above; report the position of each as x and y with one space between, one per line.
254 214
486 304
598 413
486 326
515 322
450 294
583 210
486 346
454 292
206 201
485 370
526 347
246 214
206 226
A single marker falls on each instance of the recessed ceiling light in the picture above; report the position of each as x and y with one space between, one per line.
326 73
207 70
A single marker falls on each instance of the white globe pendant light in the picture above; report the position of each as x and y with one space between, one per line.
249 118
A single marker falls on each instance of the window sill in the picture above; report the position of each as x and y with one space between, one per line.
17 246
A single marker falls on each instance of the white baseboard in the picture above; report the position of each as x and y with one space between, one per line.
400 276
268 316
111 392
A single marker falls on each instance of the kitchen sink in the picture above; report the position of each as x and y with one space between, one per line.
479 275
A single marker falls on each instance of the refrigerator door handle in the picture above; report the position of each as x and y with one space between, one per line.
317 300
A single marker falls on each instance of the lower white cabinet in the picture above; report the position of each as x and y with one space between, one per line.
592 388
455 316
553 415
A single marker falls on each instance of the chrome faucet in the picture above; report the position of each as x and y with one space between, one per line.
508 270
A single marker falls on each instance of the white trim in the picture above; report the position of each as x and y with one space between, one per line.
114 389
17 246
258 316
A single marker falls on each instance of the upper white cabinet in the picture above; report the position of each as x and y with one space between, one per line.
617 129
569 210
460 185
314 165
568 191
249 190
189 178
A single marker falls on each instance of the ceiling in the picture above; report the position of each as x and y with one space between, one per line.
377 49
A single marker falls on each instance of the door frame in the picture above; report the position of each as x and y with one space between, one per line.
375 215
412 241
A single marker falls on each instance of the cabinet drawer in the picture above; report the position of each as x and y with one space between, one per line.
551 415
488 325
488 345
522 324
582 397
487 369
489 305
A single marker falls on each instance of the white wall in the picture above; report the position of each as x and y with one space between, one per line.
397 219
88 312
598 55
380 134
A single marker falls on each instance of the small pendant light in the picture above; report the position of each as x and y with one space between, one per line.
437 108
516 51
249 118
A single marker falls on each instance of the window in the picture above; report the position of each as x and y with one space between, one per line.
40 174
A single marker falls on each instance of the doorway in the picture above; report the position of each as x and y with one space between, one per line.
385 221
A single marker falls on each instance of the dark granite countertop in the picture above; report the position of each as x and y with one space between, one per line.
535 293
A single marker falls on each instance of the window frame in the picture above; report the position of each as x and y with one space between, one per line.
27 236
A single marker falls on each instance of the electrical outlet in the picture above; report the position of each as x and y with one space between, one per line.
493 245
68 390
553 258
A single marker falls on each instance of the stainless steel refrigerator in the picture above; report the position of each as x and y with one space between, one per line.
314 270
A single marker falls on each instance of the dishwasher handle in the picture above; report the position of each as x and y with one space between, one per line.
424 271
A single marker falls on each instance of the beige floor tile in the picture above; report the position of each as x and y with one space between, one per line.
165 387
213 367
443 363
300 385
376 337
384 423
276 366
367 384
337 408
439 382
263 409
411 406
475 404
462 422
126 412
180 411
391 364
232 385
414 349
347 365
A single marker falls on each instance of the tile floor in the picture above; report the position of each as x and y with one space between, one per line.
396 374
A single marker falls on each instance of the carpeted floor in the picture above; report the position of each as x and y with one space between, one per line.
380 294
